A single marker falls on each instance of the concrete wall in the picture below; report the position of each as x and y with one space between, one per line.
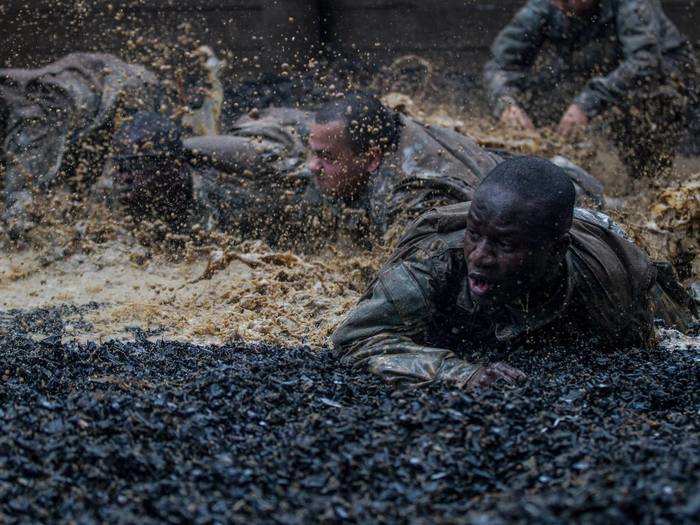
275 31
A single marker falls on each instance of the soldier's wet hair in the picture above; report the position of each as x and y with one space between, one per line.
543 187
149 140
368 123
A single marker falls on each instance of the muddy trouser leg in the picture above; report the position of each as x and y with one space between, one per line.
692 145
646 132
683 71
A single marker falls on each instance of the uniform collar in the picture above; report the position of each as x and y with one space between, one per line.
513 322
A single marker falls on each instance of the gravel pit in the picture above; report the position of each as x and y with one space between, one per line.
147 432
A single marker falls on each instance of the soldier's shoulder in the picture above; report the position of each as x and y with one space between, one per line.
438 230
609 251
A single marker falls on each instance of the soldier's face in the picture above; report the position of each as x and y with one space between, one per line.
575 7
504 260
339 171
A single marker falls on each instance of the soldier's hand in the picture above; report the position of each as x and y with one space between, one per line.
573 121
488 375
515 117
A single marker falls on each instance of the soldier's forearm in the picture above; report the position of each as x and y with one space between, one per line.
502 86
613 89
637 34
228 152
400 360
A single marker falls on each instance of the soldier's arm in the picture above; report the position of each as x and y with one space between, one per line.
513 53
231 153
416 195
386 330
637 29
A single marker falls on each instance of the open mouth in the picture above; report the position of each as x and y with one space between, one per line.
479 285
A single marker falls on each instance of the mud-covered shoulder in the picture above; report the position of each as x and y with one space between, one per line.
435 224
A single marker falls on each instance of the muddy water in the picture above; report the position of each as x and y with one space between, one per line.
253 293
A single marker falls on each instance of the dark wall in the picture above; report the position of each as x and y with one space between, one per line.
449 29
267 33
275 31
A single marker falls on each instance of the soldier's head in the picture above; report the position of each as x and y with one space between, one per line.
575 7
149 174
517 230
348 140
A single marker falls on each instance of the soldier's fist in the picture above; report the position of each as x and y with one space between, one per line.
573 120
488 375
515 117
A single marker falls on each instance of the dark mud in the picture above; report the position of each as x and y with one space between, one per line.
143 432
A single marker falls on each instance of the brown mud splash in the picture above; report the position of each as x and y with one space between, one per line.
196 292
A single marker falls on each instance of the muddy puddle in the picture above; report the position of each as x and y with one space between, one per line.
253 294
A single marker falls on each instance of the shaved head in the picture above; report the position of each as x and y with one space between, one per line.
517 230
534 191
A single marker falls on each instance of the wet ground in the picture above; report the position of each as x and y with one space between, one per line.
254 293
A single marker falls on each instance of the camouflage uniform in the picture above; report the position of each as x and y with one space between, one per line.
417 322
263 178
258 183
52 112
626 57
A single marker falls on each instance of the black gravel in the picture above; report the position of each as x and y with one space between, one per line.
143 432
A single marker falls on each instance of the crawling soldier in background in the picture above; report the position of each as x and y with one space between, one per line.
353 166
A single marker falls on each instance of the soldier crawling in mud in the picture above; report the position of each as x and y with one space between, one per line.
56 122
49 112
519 266
289 175
623 59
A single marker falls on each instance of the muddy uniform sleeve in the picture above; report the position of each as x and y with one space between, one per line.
386 331
440 167
638 34
418 194
513 53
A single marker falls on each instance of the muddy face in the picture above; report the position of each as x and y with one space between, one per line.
506 258
339 171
